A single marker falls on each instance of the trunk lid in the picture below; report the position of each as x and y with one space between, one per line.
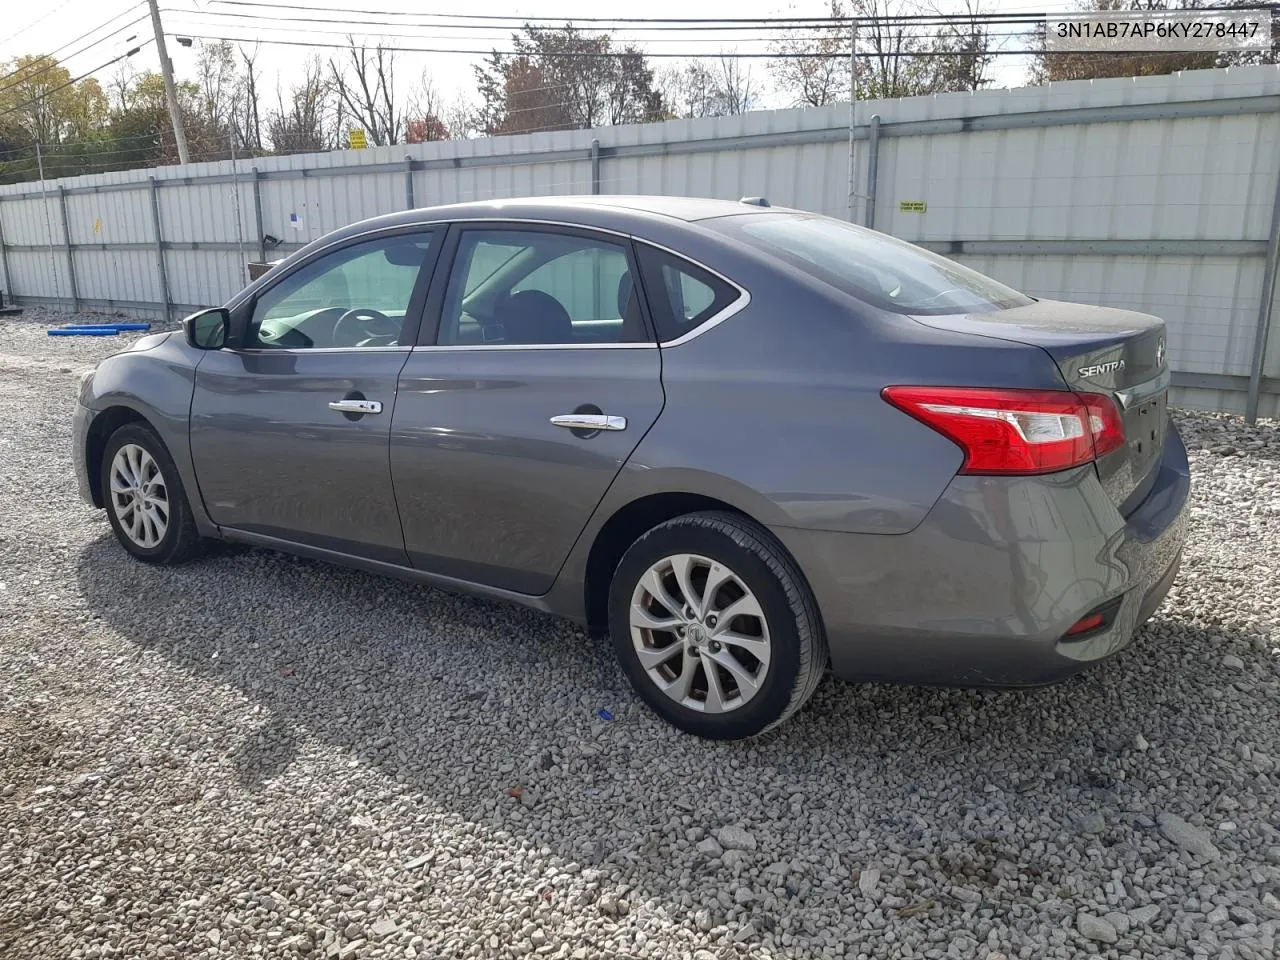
1120 353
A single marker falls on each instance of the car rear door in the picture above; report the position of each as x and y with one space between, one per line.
513 419
290 426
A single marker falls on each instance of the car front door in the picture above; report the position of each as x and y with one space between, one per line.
290 425
511 425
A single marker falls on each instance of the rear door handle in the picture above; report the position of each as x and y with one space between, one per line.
589 421
356 406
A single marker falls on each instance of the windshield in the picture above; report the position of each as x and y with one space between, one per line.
874 267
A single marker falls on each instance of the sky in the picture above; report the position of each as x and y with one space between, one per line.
46 28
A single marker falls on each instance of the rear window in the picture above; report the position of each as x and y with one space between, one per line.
876 268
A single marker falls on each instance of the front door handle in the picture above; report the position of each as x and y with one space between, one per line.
589 421
356 406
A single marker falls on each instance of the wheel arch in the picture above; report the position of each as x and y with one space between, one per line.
621 530
628 522
106 423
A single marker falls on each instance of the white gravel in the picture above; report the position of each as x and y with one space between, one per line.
260 756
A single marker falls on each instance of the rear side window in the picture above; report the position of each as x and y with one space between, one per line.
682 296
874 267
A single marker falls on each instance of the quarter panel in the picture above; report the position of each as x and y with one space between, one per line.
784 398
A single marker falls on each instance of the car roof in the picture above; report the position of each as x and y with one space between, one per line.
627 214
678 208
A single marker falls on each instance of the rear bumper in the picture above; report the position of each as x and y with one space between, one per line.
984 590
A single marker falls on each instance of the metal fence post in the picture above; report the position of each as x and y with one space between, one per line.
873 168
155 221
595 167
1264 312
257 216
408 182
4 257
71 256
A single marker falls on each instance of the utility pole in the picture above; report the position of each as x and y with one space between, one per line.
853 120
48 223
170 91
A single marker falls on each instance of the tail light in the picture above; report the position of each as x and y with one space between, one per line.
1016 431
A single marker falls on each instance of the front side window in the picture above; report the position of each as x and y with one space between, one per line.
527 287
357 296
874 267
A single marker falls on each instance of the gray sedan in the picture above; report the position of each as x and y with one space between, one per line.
747 444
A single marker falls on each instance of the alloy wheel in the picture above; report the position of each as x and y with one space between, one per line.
700 633
139 496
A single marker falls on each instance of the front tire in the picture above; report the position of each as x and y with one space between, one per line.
145 502
715 627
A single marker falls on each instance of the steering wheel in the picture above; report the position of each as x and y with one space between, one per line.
364 323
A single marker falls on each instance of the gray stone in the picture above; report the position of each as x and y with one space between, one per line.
710 847
1096 928
1144 916
1118 920
869 881
1189 838
1091 822
733 837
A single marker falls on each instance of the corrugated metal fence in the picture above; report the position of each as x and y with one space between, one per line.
1160 194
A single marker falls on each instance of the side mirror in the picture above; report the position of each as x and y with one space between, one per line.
208 329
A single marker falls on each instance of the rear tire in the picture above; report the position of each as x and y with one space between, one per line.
727 662
145 502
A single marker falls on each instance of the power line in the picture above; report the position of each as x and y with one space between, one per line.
613 54
102 26
36 22
842 22
295 27
650 26
74 80
54 63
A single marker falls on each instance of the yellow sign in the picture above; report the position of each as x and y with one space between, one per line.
912 206
356 139
97 225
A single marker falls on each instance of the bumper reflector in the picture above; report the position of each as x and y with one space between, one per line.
1086 624
1095 621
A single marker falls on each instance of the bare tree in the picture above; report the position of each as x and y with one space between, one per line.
968 39
460 118
366 86
898 58
723 88
812 65
250 121
120 86
219 81
300 124
734 90
689 90
424 121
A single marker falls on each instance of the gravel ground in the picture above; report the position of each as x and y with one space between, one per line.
255 755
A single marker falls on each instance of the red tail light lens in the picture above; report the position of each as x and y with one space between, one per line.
1016 431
